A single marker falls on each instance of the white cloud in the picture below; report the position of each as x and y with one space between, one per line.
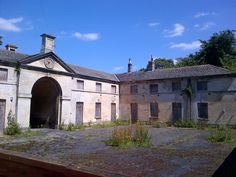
153 24
118 68
201 14
10 24
187 46
87 36
205 26
177 31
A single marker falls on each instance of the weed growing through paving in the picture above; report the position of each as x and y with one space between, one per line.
13 127
221 134
125 137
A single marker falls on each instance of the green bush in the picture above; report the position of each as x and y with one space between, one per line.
185 124
221 134
13 127
160 124
128 136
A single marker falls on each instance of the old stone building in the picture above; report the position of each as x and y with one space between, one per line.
43 90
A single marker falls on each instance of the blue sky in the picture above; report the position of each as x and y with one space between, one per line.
103 34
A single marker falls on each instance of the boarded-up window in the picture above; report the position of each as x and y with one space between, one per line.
113 89
154 109
153 88
98 110
176 86
203 110
201 85
98 87
3 74
80 84
134 89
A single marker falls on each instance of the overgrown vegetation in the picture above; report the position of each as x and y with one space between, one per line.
221 134
73 127
137 136
185 124
13 127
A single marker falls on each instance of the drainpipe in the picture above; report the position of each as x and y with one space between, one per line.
17 70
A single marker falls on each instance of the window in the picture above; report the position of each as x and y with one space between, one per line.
98 110
98 87
3 74
176 86
154 109
80 84
201 85
153 88
134 89
113 89
203 110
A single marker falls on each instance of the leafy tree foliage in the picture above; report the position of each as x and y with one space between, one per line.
161 63
0 40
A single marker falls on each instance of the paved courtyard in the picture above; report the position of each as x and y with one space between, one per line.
175 152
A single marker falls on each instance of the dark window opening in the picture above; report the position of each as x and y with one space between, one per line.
3 74
98 87
80 84
203 110
153 88
176 86
201 85
98 110
154 109
134 89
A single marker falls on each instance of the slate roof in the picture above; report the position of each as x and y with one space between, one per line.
93 73
6 55
12 56
171 73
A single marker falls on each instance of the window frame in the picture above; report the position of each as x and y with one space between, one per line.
98 115
151 88
6 76
154 113
98 84
78 82
113 87
205 113
134 89
176 84
200 86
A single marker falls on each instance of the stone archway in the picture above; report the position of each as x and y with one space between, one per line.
45 103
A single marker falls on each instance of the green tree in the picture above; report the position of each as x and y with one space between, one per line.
220 46
187 61
162 63
0 40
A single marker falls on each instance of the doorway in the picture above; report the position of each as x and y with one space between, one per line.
2 115
45 103
79 112
176 111
113 112
134 112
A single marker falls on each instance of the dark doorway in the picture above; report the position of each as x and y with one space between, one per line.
45 103
79 112
113 112
134 112
176 111
2 115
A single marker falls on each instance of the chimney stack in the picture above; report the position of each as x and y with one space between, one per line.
129 66
11 47
151 64
47 43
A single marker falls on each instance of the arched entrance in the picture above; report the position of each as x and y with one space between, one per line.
45 103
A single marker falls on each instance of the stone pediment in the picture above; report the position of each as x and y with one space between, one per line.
47 61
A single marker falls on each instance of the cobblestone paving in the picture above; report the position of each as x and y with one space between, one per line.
175 152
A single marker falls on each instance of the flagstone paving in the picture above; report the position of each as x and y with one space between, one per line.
174 152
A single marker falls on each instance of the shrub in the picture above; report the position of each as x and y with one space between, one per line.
185 124
126 137
221 134
160 125
13 127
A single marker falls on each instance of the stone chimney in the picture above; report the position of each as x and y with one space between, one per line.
11 47
129 66
47 43
151 64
